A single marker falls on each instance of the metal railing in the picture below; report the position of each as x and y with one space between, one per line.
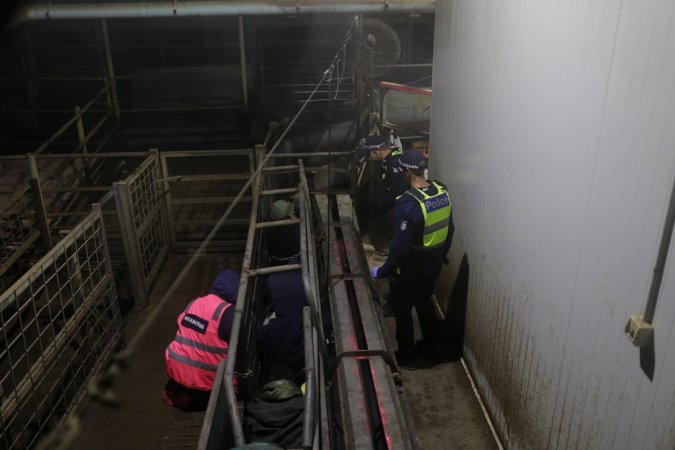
18 228
59 323
144 220
242 323
315 395
246 319
363 374
196 198
74 127
24 210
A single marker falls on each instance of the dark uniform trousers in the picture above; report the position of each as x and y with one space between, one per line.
413 289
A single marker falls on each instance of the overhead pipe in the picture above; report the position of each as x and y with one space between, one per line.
213 8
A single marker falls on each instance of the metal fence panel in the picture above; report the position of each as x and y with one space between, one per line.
150 216
144 218
58 324
200 185
18 228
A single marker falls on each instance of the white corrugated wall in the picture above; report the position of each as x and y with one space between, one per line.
554 128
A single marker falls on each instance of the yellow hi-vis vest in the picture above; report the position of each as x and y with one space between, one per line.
436 210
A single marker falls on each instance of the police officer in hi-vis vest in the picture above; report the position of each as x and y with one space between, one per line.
423 230
394 182
201 342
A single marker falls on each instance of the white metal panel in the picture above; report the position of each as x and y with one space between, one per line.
554 127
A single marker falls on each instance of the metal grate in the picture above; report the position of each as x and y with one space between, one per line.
58 324
18 227
148 207
154 243
145 191
143 214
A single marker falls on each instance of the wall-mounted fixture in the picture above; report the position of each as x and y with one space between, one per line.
639 328
638 331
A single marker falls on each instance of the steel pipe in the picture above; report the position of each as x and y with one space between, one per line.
212 8
310 370
661 259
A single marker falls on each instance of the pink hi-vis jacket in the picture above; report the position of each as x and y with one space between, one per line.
193 356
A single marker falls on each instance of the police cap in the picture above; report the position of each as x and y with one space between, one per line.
413 160
373 142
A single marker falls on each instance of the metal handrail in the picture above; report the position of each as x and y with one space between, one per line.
310 233
21 190
233 344
308 278
315 350
311 154
314 330
72 120
92 132
142 154
310 386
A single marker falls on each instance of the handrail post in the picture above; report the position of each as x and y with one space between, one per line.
80 129
81 137
110 70
310 388
166 185
256 186
39 202
242 62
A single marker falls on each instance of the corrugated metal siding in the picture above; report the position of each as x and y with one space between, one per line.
554 128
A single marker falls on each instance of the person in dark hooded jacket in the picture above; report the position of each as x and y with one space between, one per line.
283 242
275 415
280 337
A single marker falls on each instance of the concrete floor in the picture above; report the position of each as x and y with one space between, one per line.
142 421
442 402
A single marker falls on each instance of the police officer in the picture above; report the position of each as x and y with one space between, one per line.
423 230
393 180
394 184
201 342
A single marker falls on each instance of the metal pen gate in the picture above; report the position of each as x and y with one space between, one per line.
59 323
144 220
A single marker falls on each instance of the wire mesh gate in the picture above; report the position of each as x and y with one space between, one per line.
59 322
144 220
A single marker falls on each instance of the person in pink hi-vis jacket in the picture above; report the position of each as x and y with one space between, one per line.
201 342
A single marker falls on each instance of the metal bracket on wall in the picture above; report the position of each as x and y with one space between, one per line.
638 331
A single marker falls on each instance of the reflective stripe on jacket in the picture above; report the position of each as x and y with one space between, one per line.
193 356
436 210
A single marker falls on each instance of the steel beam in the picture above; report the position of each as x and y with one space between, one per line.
39 202
110 70
242 62
141 10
